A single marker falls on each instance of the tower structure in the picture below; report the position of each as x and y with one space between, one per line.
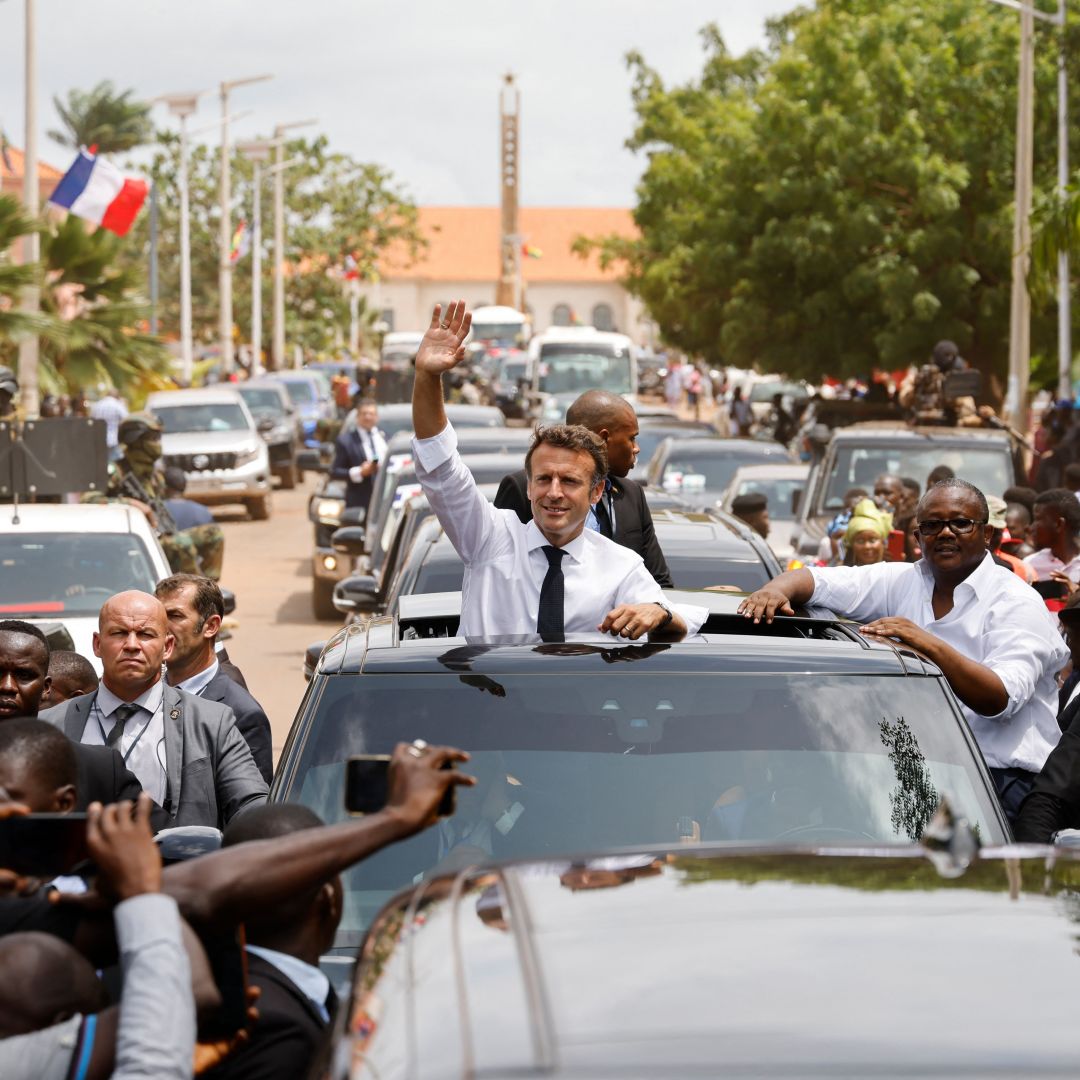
509 289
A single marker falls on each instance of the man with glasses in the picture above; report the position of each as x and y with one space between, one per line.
987 631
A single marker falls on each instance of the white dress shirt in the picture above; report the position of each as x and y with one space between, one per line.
374 445
505 566
309 980
142 746
1044 561
996 620
198 682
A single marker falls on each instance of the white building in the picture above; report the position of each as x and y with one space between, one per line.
462 262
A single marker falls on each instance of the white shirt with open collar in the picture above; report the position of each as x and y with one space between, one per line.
997 620
504 564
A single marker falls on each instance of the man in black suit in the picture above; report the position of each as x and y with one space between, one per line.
357 454
622 514
195 608
1054 800
284 943
24 689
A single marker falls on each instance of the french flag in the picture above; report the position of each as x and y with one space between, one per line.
98 191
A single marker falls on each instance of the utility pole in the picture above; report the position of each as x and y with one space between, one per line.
507 291
277 351
225 319
1064 299
31 297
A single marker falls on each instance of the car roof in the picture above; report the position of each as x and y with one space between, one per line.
772 961
705 535
722 447
786 471
67 518
202 395
889 431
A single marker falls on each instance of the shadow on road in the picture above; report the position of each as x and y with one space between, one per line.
296 609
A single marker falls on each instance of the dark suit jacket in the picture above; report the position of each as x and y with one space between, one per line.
1054 800
211 775
102 776
251 721
348 453
633 521
287 1036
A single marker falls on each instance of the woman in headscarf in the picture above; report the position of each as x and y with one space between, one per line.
866 534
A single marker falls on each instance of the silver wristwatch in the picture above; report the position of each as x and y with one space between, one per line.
668 614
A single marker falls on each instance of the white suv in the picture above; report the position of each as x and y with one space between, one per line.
211 435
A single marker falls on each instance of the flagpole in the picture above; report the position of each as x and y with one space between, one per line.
256 273
31 297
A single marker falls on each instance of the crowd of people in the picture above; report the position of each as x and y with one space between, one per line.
118 970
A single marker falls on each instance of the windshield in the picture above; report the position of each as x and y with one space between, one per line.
688 572
511 370
576 368
183 419
989 469
584 762
779 493
70 574
496 331
301 392
687 470
260 399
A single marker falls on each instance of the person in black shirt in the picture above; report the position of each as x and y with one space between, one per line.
622 514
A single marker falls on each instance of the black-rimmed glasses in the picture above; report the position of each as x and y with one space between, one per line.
957 526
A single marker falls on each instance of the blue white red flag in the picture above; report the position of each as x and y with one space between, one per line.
98 191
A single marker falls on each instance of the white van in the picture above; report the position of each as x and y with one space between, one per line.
568 360
498 325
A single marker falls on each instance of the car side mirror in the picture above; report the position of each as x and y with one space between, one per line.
311 659
357 593
348 540
353 515
229 598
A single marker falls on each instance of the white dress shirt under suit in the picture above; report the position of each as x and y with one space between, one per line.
142 745
505 566
996 620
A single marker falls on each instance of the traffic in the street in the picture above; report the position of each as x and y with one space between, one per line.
566 639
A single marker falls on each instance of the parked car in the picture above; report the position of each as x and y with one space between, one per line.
700 469
653 430
510 383
308 390
800 731
61 562
713 549
398 417
783 486
278 423
212 436
669 962
857 455
566 361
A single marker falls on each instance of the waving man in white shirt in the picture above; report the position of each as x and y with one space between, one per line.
988 632
552 576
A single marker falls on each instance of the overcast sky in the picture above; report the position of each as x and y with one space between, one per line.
410 84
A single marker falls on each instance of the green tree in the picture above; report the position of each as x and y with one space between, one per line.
102 117
14 225
99 305
841 199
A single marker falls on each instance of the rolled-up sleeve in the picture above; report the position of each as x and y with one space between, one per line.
640 587
855 592
156 1036
468 519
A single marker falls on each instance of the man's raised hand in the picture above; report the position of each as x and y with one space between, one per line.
443 345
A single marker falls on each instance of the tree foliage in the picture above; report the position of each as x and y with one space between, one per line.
841 199
103 117
335 208
14 225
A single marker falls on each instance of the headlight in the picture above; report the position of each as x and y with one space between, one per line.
329 562
329 508
247 456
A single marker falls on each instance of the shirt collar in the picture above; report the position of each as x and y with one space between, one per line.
199 681
150 700
534 539
979 580
309 980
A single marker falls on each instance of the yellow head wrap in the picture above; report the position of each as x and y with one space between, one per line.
866 517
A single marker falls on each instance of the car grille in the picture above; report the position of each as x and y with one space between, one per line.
202 462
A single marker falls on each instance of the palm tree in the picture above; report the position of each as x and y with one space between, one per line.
1055 230
104 118
15 224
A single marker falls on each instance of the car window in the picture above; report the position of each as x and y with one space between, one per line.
989 468
584 762
690 471
261 398
301 392
69 573
778 493
688 572
567 368
440 577
184 419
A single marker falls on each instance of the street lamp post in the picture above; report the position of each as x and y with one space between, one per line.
225 235
256 153
277 352
31 297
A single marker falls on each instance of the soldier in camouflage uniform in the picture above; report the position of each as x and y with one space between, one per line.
135 478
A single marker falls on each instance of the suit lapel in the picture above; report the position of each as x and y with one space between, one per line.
214 690
75 718
1069 715
172 716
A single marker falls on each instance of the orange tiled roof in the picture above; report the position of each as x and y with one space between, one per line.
18 164
463 244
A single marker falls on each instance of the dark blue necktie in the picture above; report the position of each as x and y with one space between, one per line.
549 619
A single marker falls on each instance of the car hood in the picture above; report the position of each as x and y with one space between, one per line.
768 962
209 442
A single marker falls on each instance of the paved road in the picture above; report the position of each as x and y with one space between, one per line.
267 565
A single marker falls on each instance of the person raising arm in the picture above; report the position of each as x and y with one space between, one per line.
550 576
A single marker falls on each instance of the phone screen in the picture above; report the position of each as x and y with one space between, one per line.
44 845
367 785
228 962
